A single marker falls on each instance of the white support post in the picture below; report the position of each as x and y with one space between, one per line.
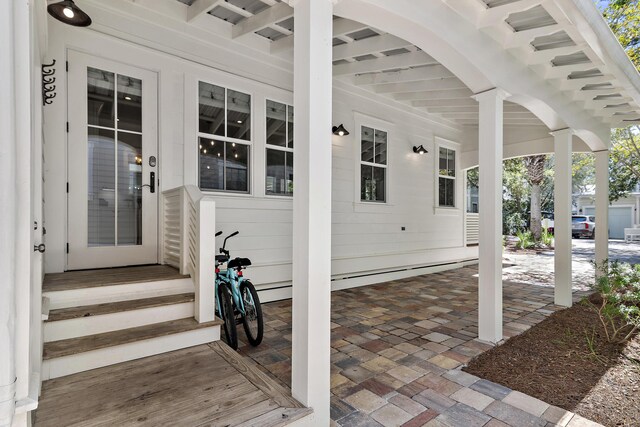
312 83
602 206
8 215
490 242
562 216
205 298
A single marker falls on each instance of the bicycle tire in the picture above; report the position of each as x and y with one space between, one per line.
251 310
228 316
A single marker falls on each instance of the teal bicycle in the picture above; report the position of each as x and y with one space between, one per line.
237 299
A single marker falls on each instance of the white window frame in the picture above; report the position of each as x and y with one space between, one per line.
249 142
362 120
457 204
268 146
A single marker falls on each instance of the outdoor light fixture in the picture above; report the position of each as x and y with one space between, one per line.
340 130
66 11
419 149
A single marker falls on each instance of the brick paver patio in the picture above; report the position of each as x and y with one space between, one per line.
397 349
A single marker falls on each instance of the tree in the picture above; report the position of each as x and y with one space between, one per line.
623 17
535 175
624 162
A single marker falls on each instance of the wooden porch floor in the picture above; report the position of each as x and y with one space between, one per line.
108 276
207 385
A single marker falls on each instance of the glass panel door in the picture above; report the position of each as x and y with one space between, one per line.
112 150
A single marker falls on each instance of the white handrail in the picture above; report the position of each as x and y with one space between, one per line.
189 242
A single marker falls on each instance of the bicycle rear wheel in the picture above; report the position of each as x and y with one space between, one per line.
252 318
230 332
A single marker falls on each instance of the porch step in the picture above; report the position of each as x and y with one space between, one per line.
74 355
73 322
108 285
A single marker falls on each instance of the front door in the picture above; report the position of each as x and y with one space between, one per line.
112 164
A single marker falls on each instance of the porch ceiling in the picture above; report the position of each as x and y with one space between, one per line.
537 32
365 57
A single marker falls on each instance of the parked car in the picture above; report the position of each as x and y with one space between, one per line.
583 226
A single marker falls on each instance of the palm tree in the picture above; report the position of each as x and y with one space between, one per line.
535 176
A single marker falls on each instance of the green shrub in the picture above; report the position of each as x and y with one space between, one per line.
525 240
617 301
546 238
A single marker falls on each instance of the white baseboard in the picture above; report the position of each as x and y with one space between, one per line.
83 326
67 365
113 293
282 291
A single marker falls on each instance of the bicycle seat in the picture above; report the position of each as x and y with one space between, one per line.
221 258
239 262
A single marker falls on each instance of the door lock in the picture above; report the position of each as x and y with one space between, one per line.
152 182
40 248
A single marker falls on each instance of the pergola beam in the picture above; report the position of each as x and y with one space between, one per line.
547 55
368 46
411 59
414 74
264 19
200 8
498 14
341 27
521 38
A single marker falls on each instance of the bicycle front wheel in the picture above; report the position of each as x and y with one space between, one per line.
252 318
226 306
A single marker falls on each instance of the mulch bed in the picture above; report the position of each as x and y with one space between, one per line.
552 361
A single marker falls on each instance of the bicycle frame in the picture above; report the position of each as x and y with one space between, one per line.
231 277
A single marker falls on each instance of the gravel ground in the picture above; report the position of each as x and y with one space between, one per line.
536 267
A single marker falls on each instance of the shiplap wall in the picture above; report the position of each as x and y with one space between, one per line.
366 238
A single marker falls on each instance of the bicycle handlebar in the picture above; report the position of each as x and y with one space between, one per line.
224 245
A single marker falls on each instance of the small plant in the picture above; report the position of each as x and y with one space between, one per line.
525 240
617 301
547 238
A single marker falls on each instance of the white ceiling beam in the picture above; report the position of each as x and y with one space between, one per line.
562 71
601 103
264 19
575 84
474 109
588 95
537 57
405 60
420 86
523 38
495 15
622 117
611 111
441 94
368 46
200 8
444 103
414 74
341 27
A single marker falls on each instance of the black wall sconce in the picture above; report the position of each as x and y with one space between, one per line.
48 87
66 11
340 130
419 150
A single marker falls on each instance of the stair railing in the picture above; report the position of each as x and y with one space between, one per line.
189 242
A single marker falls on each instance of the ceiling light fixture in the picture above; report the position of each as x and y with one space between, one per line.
420 150
340 130
66 11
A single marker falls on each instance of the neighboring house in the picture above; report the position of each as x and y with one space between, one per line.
623 213
173 119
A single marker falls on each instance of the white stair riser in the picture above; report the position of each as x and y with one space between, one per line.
114 293
83 326
67 365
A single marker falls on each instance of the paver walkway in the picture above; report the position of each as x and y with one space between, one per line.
396 350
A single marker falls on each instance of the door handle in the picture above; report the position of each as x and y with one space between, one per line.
152 182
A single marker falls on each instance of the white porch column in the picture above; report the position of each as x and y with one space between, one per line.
490 195
562 216
602 206
8 217
312 85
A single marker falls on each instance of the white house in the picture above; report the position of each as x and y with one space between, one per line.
623 213
173 119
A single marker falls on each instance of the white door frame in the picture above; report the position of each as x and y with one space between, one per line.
79 254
